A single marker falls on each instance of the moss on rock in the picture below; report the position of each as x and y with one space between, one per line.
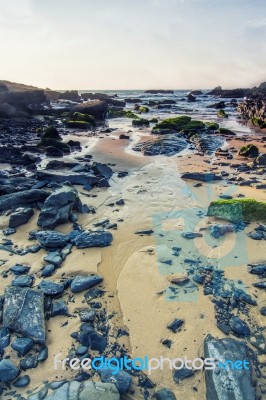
122 113
224 131
140 122
212 126
51 133
237 210
249 151
222 114
260 123
49 142
79 125
77 116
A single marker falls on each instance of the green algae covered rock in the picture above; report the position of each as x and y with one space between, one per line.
122 113
222 114
249 151
237 210
140 122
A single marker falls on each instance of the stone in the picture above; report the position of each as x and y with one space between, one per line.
23 281
58 207
51 239
22 198
81 283
88 239
53 258
84 391
175 325
238 326
164 394
97 108
20 217
235 384
181 374
201 176
191 235
122 380
28 362
218 230
59 308
71 177
22 381
19 269
51 288
22 345
24 312
48 270
102 170
8 371
4 338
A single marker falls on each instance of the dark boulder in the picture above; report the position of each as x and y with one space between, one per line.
51 239
93 239
51 288
22 345
181 374
73 178
122 380
97 108
18 199
201 176
20 217
8 371
232 383
24 312
23 281
58 207
81 283
51 151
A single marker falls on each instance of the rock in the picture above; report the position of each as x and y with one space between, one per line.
191 235
123 136
22 381
22 345
59 308
51 288
181 374
249 151
43 354
19 269
263 311
164 394
191 98
122 380
162 145
140 122
52 239
159 91
24 312
102 170
28 362
257 269
260 285
235 384
23 281
18 199
201 176
48 270
87 315
58 207
8 371
144 232
20 217
81 283
93 239
261 160
238 326
4 338
219 230
97 108
52 151
53 258
85 391
175 325
238 210
73 178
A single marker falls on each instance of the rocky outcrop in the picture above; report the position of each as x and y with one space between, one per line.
97 108
163 145
104 97
254 111
24 312
20 217
84 390
232 383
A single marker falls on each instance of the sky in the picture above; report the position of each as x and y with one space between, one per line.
133 44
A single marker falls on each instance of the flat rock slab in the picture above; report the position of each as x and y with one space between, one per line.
228 384
24 312
201 176
85 391
19 199
74 179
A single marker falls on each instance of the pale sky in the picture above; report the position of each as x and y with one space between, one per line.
133 44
